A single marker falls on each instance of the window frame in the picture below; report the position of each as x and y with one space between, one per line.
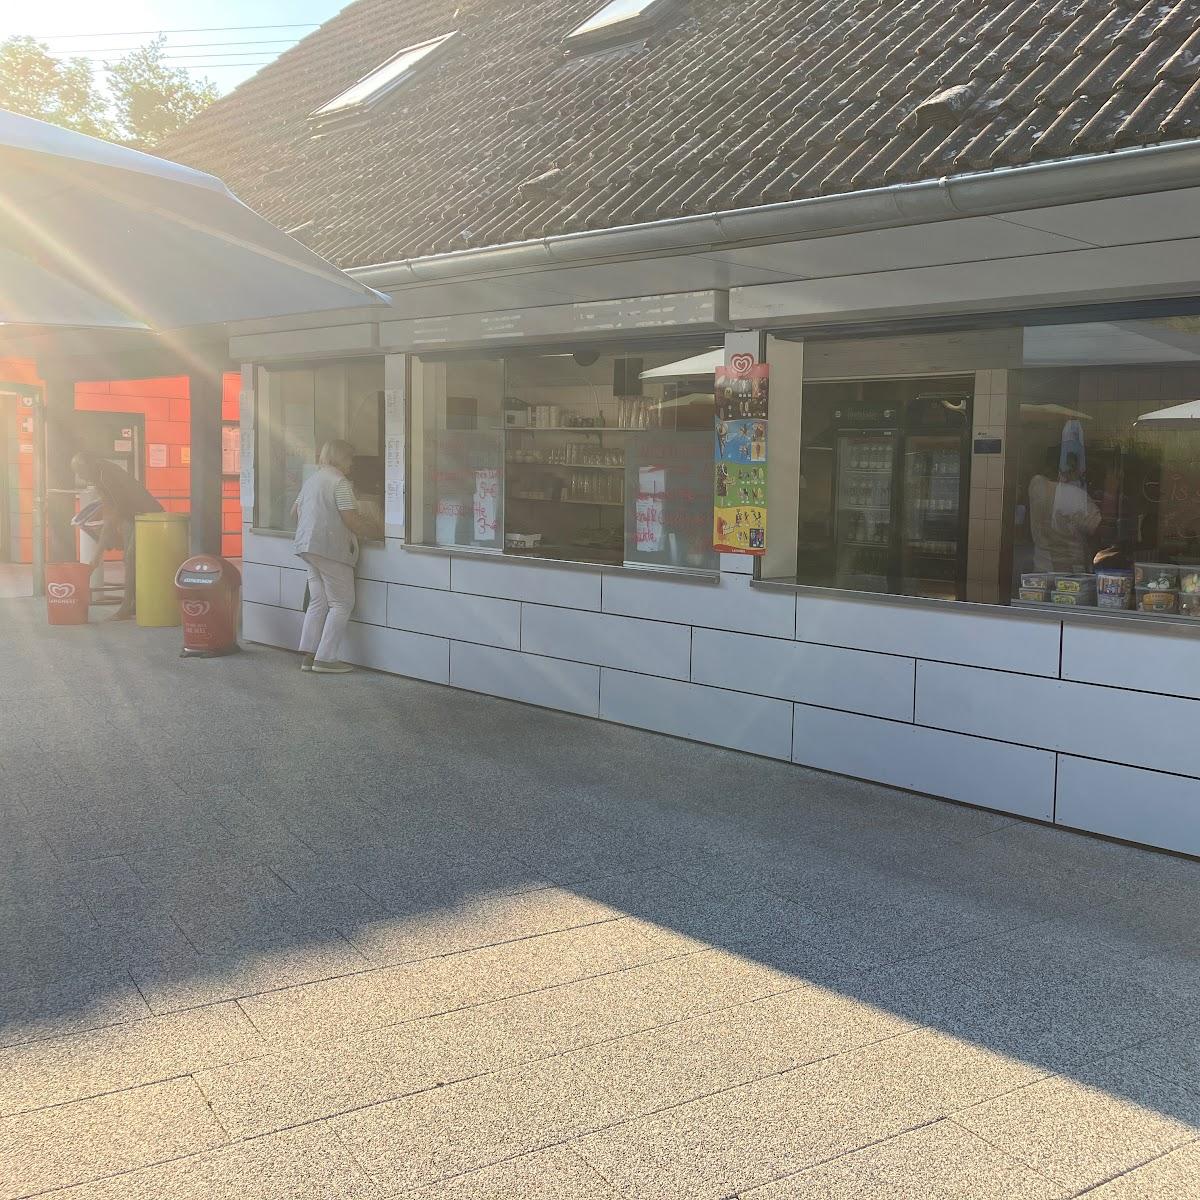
615 32
336 113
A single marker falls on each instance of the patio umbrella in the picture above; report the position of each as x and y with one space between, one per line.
122 239
1178 416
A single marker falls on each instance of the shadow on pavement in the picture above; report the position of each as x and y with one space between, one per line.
176 833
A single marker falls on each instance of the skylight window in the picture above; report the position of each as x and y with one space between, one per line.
358 99
618 18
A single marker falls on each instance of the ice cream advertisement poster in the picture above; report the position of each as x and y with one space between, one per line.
740 457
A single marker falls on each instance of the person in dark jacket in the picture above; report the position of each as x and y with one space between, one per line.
123 498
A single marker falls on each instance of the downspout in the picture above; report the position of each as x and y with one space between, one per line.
1134 171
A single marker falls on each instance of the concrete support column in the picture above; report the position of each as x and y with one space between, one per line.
204 391
61 444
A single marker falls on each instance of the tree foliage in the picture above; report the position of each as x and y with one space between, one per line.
63 92
152 99
148 100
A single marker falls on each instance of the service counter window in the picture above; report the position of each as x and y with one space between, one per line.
1106 503
302 408
582 456
1048 466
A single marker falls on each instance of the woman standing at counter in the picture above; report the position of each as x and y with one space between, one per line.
328 525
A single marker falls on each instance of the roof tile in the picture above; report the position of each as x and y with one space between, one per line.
723 104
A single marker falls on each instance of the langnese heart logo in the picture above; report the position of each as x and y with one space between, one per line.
61 591
195 608
741 363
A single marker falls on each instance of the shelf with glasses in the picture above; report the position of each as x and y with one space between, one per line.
517 462
567 500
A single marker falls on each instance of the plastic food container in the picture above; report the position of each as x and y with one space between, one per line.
1157 600
1158 577
1114 587
1189 604
1075 583
1189 580
1076 599
1040 594
1038 579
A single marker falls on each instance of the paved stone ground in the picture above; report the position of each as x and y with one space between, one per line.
266 935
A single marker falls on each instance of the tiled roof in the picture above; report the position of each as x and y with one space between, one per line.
723 105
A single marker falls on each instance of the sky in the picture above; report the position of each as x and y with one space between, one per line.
206 37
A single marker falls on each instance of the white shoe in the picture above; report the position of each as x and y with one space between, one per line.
330 668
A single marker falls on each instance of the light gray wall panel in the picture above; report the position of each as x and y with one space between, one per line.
547 682
1123 802
993 775
391 563
268 548
370 601
271 626
720 718
260 583
731 604
978 639
411 654
1148 659
455 615
541 583
653 647
291 587
1135 728
877 684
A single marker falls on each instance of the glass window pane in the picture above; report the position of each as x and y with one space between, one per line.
382 78
566 455
298 412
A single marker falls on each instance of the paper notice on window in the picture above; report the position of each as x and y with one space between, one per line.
648 510
486 506
393 485
246 477
393 404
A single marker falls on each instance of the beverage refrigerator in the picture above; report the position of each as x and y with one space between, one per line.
900 497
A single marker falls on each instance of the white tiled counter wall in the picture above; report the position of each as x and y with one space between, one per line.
1089 726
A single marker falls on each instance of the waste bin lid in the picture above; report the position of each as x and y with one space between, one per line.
161 516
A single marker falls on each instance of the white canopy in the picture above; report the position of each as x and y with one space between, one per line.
698 364
1178 416
98 235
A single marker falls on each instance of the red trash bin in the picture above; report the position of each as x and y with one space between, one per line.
68 593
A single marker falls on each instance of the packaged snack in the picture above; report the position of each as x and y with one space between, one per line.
1114 587
1159 577
1075 583
1157 600
1041 595
1189 579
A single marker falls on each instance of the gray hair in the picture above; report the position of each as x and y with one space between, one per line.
338 454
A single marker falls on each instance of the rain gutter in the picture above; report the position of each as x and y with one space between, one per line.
1134 171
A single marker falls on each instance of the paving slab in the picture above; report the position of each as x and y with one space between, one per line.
89 1139
299 1164
554 1174
715 1146
55 1071
1172 1176
388 995
328 1077
938 1162
447 1131
1080 1131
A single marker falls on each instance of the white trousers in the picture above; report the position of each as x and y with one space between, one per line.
330 603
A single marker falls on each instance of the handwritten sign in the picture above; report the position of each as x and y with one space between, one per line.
740 456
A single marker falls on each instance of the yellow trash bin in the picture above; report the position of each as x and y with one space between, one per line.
161 545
